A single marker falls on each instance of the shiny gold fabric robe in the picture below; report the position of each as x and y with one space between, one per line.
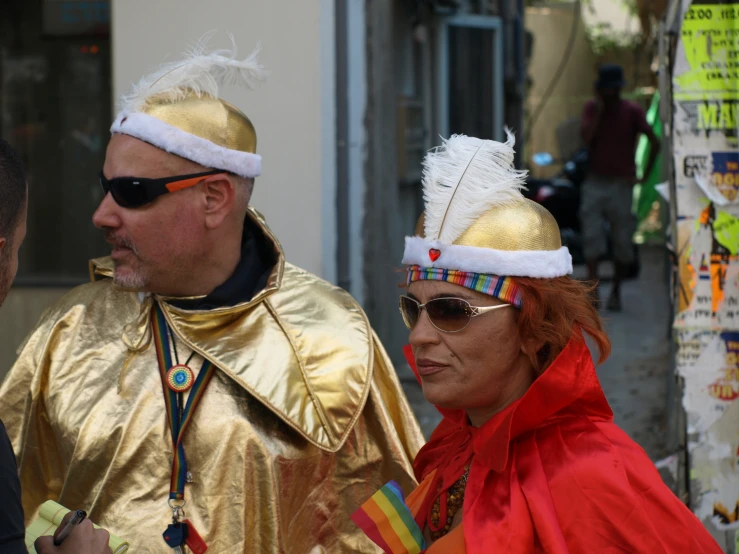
302 422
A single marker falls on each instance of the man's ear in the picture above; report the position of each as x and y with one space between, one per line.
2 243
220 199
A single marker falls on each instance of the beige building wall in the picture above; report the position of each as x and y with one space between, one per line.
550 27
293 112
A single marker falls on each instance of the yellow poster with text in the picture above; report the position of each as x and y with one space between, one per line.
710 38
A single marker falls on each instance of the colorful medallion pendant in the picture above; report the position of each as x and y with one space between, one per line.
180 378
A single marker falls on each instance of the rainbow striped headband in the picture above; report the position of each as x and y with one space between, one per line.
503 288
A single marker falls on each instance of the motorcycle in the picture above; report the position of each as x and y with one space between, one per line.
560 195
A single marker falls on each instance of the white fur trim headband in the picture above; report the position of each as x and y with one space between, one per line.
194 148
545 264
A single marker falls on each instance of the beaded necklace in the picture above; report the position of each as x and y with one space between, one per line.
454 501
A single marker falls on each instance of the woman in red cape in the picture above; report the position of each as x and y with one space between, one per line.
527 457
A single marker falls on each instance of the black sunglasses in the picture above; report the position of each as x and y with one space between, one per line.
449 315
134 192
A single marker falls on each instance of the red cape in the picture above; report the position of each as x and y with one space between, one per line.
552 473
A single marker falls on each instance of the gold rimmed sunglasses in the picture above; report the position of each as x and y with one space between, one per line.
449 315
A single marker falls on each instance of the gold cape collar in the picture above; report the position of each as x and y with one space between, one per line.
315 375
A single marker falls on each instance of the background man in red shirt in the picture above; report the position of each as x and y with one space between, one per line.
610 128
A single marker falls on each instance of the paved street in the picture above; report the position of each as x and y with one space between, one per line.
635 376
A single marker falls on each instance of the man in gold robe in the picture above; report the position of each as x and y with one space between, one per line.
201 381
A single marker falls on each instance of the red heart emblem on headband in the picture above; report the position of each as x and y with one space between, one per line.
434 254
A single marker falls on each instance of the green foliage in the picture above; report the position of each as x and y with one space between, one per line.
603 38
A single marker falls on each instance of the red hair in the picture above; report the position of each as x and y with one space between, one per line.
554 310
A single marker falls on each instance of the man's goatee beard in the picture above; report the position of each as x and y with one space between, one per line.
134 280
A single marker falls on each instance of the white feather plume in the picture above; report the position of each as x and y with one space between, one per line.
462 179
200 71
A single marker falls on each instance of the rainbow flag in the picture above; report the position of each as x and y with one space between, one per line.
386 519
